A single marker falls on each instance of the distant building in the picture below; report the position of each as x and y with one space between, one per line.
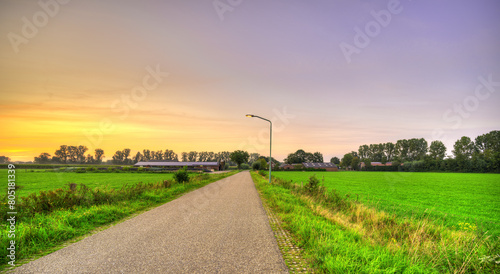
21 162
215 166
326 166
376 164
286 166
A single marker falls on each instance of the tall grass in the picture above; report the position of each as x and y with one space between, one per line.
449 198
341 235
50 218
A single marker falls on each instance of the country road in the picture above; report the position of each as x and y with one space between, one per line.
220 228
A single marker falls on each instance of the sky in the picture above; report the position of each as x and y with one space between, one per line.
181 75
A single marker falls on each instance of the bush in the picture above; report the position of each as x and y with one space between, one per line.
244 166
256 166
126 168
181 175
80 170
313 185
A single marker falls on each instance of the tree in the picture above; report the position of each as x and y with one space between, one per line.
170 155
223 156
300 156
347 159
335 160
239 157
261 163
72 154
437 150
211 157
184 156
488 142
417 149
364 152
266 160
253 157
118 157
43 158
355 163
376 152
99 153
90 159
463 148
317 157
159 155
4 159
138 157
126 153
80 153
367 162
487 147
202 156
56 160
153 155
62 153
389 151
192 156
401 150
146 154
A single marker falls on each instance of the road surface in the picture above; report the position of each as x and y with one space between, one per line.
221 228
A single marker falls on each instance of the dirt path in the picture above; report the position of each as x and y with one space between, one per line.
220 228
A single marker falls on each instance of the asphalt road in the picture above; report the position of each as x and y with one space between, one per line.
220 228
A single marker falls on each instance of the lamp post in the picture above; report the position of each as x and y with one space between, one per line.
270 140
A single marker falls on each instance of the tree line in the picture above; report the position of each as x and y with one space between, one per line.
300 156
71 155
68 154
480 155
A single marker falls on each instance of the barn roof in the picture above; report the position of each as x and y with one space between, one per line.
176 164
319 165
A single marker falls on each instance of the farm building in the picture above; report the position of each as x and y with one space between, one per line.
286 166
377 164
327 166
215 166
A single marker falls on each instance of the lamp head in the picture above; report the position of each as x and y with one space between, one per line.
250 115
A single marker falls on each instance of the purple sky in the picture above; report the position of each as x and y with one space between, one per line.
411 79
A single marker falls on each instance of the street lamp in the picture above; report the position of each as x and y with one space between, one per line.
270 140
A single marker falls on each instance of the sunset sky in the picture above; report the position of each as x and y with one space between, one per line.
181 75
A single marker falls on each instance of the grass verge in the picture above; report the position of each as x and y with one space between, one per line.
339 235
49 219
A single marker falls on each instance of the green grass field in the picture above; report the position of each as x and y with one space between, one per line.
455 198
339 235
33 182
